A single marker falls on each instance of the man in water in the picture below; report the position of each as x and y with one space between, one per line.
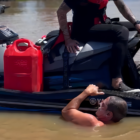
112 109
90 23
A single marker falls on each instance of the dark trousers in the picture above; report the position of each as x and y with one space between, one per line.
111 33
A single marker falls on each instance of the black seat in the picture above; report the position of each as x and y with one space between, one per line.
89 49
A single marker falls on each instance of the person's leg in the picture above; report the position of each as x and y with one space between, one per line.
126 24
119 36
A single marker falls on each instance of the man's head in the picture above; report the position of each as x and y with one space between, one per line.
112 109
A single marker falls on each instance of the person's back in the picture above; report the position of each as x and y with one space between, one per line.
86 13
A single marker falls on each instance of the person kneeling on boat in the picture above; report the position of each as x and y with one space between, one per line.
112 109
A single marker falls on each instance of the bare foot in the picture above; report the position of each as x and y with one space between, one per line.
115 82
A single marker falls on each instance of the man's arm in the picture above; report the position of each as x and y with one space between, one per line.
72 114
72 45
125 11
62 18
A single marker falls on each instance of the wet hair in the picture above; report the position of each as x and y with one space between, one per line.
118 107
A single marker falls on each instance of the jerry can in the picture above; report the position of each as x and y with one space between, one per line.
23 66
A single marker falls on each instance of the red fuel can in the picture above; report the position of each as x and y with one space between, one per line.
23 66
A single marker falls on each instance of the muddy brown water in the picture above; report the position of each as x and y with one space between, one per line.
31 20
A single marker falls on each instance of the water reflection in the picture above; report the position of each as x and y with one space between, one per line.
31 19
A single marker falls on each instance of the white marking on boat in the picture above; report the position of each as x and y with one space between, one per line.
133 90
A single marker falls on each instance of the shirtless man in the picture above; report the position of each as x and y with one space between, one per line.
112 109
89 23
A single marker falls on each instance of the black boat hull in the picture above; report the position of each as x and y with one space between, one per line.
53 102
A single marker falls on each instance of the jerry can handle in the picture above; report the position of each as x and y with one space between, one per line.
23 40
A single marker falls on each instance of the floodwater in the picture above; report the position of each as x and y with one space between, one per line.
35 126
31 20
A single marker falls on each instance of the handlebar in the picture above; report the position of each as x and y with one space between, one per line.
2 8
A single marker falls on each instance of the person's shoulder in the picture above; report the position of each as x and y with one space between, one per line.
94 121
100 123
